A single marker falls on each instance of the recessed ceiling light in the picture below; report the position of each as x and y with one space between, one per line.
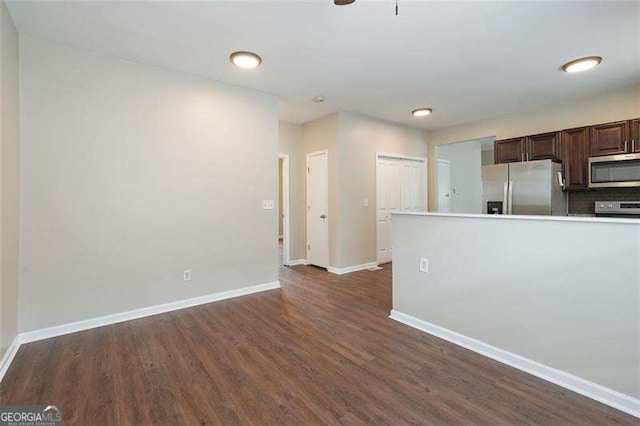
582 64
319 99
422 112
245 60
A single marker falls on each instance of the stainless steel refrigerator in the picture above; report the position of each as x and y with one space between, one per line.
527 188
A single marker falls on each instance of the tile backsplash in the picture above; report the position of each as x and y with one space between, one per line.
584 202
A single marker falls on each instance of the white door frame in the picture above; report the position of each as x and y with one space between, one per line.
286 238
310 154
424 162
440 160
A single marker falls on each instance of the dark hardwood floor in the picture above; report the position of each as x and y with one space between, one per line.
319 351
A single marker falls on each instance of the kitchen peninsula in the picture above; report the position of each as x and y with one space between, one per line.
557 297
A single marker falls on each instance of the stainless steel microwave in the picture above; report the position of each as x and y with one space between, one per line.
614 171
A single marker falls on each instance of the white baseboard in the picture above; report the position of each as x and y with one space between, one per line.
577 384
11 352
297 262
45 333
350 269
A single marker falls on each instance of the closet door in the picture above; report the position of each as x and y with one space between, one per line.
389 199
400 187
412 186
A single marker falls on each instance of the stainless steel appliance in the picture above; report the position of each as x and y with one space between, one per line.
629 209
614 171
527 188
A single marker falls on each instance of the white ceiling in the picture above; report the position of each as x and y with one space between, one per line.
467 60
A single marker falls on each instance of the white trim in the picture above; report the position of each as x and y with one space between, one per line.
286 238
440 160
298 262
425 165
58 330
8 356
577 384
523 217
311 154
349 269
401 157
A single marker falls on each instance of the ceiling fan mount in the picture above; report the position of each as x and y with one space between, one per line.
346 2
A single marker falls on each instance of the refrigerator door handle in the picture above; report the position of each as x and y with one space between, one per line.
560 180
510 209
505 198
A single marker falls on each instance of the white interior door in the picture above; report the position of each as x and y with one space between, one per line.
444 186
318 209
283 164
400 187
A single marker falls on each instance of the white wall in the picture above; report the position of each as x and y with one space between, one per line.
352 141
359 138
488 157
290 143
562 293
10 182
131 174
614 105
466 175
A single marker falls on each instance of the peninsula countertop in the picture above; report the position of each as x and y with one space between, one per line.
593 219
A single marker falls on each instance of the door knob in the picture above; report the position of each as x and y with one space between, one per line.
323 216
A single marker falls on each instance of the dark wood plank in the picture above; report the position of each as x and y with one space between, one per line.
320 351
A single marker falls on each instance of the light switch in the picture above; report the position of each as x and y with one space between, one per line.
424 264
365 202
267 204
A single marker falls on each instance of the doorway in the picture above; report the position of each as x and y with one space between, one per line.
401 183
283 209
444 186
318 208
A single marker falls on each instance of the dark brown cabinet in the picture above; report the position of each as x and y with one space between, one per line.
509 150
575 144
609 139
634 130
544 146
573 147
537 147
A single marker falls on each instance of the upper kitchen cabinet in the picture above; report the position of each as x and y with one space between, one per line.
573 147
634 130
609 139
575 144
544 146
536 147
509 150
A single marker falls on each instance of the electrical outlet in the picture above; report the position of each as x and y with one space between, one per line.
268 204
365 202
186 275
424 264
